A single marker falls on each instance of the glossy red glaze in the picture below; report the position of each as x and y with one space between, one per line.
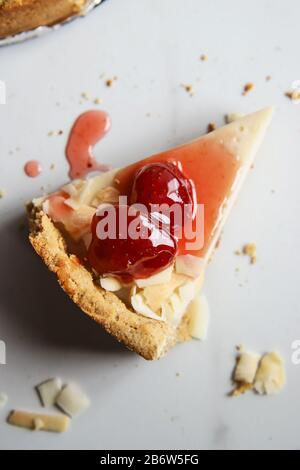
33 168
87 130
124 256
211 168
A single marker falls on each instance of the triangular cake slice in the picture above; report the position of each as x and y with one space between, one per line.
145 312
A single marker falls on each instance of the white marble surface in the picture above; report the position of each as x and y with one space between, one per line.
153 46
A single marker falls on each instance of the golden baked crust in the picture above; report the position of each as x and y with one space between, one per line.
23 15
149 338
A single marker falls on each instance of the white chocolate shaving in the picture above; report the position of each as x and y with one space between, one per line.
72 400
246 368
36 421
270 377
49 390
198 312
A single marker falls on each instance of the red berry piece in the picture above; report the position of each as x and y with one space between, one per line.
128 244
164 183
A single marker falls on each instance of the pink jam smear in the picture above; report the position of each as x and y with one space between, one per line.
88 129
33 168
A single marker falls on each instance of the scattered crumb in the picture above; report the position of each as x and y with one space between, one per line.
148 114
110 81
204 57
231 117
250 250
98 101
52 133
211 126
85 96
52 166
247 88
177 374
293 95
240 347
3 399
2 193
238 252
241 389
237 269
189 89
268 78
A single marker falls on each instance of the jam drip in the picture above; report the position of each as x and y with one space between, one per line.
87 130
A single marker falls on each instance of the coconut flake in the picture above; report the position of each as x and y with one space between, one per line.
162 277
139 305
49 390
189 265
270 377
110 283
72 400
198 312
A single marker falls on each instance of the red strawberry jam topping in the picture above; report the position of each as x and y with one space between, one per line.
134 247
164 184
153 246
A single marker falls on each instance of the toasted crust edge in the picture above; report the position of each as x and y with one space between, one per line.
149 338
27 15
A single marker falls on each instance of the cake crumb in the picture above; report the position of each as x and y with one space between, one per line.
2 193
52 133
85 95
250 250
247 88
211 126
268 78
241 389
98 101
110 81
204 57
189 89
293 95
52 166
